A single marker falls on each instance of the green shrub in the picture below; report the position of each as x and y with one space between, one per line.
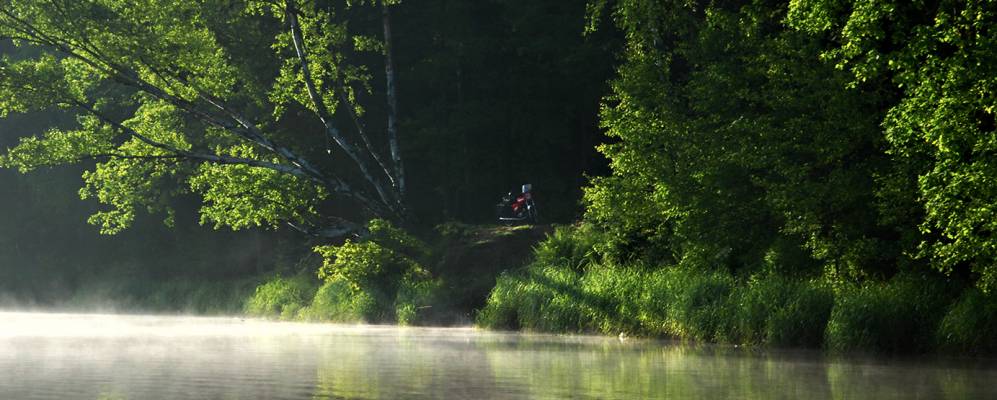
970 326
638 224
900 315
282 297
377 265
365 265
387 235
336 301
383 271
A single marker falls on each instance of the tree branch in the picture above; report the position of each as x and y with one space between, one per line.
179 153
330 232
366 140
323 113
105 156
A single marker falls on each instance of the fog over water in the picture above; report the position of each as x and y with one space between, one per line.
86 356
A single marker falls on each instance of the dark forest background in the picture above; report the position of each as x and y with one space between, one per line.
493 94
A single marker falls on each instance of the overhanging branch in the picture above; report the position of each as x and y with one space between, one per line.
388 198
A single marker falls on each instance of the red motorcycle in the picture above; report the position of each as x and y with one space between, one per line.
521 209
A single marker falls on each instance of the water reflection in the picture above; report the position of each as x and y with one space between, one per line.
53 356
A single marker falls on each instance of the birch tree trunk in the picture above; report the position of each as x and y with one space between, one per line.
392 98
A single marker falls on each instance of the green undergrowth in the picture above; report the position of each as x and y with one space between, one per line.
670 302
282 297
970 324
336 301
379 279
391 276
570 288
901 315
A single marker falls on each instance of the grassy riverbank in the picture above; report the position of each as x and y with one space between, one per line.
568 283
568 288
394 277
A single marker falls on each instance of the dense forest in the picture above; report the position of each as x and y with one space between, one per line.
811 173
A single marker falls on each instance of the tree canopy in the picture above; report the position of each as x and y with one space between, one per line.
254 105
942 58
857 132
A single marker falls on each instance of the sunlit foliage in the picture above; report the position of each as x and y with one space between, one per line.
383 269
940 56
204 97
733 144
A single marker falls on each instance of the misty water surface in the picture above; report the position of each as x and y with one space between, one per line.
67 356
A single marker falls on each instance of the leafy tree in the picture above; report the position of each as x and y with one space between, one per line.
254 105
736 146
942 57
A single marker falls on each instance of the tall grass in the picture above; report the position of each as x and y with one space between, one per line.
569 288
670 302
900 315
775 310
418 301
970 325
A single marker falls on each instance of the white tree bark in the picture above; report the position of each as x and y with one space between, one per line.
392 97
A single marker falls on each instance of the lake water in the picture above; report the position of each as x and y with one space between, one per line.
80 356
